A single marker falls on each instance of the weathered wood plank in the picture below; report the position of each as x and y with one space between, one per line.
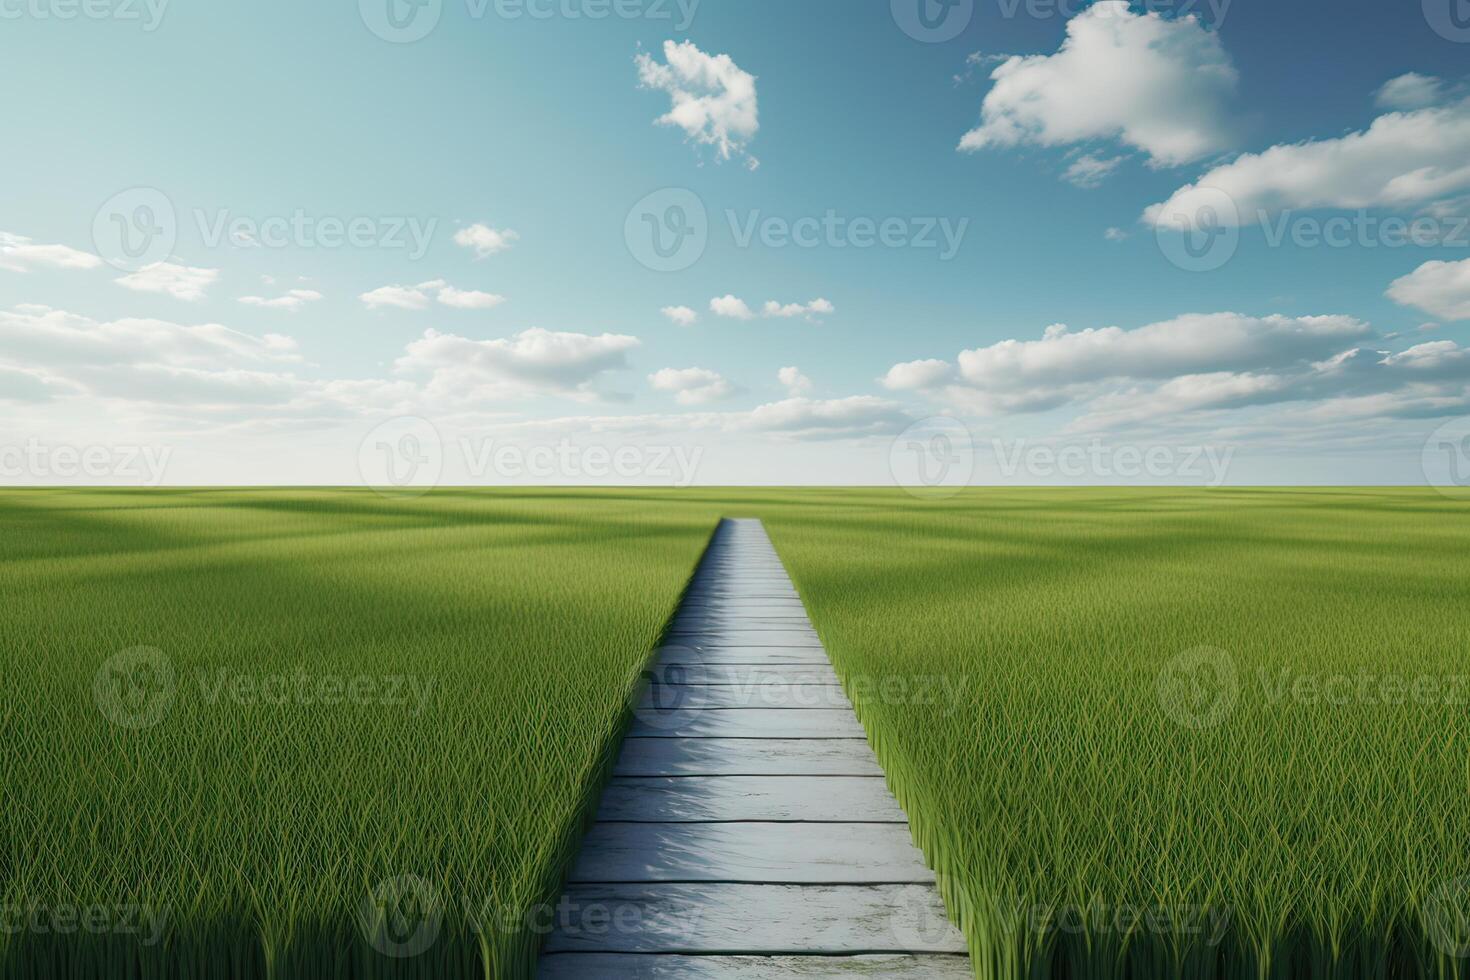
653 966
832 799
779 853
746 757
738 918
744 655
694 722
776 696
741 674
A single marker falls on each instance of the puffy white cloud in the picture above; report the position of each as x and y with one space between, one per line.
469 299
681 315
187 283
146 360
1189 344
402 297
19 254
1403 159
1090 170
1409 91
1157 84
1440 289
796 383
736 309
485 240
817 307
917 375
692 386
419 297
533 362
291 300
713 100
833 418
730 306
1200 363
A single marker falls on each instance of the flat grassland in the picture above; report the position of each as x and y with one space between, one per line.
1140 733
341 696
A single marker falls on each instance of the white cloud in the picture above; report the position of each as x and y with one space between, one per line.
1090 170
713 100
485 240
187 283
292 300
145 360
730 306
402 297
469 299
1200 363
917 375
692 386
1115 235
834 418
1403 159
419 297
681 315
1441 289
533 362
1185 345
1160 85
736 309
796 383
817 307
19 254
1409 91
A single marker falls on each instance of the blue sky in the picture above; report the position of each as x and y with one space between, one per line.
536 135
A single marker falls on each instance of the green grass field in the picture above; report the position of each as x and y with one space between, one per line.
1141 733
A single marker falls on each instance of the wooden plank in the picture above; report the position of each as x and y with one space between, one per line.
833 799
778 853
768 919
750 656
776 696
741 674
746 757
773 637
653 966
694 722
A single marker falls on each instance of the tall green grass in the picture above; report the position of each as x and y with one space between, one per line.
262 829
1100 807
1096 805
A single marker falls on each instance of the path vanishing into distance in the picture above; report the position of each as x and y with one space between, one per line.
747 830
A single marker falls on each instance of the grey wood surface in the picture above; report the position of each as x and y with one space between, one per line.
747 830
665 799
820 920
775 853
655 966
747 757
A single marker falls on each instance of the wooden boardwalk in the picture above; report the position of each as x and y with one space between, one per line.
747 830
